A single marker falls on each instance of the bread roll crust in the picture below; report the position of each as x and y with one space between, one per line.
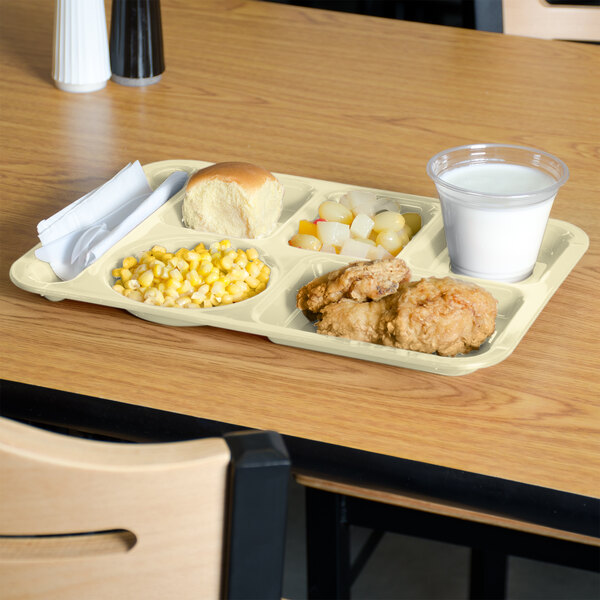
246 175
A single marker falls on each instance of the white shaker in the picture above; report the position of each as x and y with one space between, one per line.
81 61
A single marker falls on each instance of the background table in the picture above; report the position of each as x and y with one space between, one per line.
332 96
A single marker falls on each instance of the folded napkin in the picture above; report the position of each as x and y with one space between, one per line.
82 232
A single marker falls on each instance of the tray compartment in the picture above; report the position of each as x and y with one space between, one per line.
281 311
297 194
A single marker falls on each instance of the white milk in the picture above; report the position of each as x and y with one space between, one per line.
493 234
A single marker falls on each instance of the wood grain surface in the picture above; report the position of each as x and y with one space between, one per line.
333 96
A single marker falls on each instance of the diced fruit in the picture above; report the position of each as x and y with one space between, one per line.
329 248
413 220
361 226
360 202
392 221
390 240
333 233
307 227
378 252
333 211
305 241
355 248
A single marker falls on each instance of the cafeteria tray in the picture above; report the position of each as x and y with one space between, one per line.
273 312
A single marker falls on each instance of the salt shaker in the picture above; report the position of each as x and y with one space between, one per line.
136 43
80 60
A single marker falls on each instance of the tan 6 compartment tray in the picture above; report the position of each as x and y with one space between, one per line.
273 312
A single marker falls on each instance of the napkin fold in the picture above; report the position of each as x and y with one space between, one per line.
79 234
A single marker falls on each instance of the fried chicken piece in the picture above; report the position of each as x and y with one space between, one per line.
446 316
358 281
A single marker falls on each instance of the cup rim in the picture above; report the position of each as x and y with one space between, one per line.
482 146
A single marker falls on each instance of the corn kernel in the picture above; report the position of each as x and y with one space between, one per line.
234 289
191 255
175 274
238 274
132 284
194 278
118 288
186 287
212 276
200 248
158 250
129 262
125 275
182 300
260 287
227 299
225 244
169 301
252 282
253 269
227 262
146 278
217 288
180 252
118 282
252 253
205 267
241 261
134 295
116 273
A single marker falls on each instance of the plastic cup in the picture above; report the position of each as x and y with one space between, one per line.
495 200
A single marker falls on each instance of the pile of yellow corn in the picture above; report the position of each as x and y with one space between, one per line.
192 278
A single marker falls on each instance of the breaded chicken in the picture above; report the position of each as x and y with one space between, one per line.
358 281
446 316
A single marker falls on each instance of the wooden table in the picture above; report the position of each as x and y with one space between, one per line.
338 97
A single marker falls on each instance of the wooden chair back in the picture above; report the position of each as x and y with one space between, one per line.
538 18
90 519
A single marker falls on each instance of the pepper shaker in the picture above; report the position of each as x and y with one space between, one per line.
136 42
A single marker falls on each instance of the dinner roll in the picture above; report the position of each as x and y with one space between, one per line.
235 199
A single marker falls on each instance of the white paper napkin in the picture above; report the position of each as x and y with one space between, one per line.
82 232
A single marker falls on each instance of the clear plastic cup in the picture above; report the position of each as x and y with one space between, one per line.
495 200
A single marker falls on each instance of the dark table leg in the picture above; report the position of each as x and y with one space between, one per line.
328 546
488 574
